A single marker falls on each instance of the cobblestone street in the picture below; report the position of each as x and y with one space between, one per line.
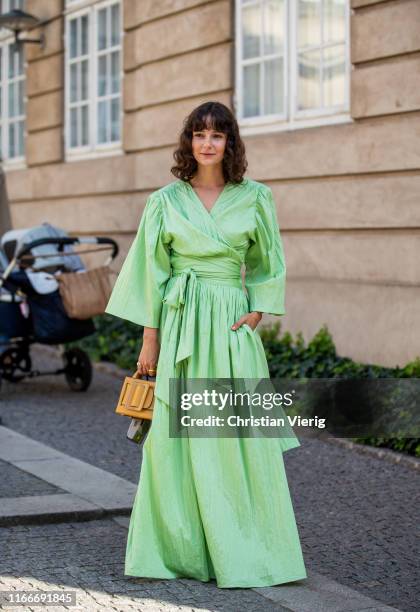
356 514
88 557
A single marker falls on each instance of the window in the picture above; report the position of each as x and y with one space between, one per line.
9 5
93 78
292 61
12 91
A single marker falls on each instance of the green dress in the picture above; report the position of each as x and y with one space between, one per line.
208 507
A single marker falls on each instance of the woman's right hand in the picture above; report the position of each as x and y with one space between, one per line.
149 354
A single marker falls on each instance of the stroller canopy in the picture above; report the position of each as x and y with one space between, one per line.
13 240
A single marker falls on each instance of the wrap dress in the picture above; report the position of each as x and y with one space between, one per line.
208 508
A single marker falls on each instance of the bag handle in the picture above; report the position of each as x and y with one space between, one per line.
138 375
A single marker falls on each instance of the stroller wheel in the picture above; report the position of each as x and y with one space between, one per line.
77 369
14 360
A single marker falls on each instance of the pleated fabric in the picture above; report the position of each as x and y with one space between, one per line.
208 508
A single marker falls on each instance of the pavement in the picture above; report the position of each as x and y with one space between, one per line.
69 478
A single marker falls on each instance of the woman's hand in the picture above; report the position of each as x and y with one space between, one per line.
251 318
149 354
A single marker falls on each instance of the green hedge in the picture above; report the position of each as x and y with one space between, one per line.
119 342
292 358
116 341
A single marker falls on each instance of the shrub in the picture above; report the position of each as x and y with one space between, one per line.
291 358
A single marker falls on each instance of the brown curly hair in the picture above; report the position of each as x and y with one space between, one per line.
216 116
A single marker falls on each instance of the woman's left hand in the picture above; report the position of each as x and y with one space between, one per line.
251 318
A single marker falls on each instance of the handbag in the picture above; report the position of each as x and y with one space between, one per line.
137 397
85 294
137 400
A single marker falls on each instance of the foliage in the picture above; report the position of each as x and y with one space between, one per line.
292 358
116 341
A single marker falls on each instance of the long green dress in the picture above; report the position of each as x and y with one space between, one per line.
208 507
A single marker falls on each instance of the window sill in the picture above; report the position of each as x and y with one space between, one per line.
74 156
259 126
9 165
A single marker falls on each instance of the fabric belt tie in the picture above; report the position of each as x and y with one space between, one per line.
184 290
183 296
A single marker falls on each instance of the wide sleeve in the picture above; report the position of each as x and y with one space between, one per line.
138 291
265 277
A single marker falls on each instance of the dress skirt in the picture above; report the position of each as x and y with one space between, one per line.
212 508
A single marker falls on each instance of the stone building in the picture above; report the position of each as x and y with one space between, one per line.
328 100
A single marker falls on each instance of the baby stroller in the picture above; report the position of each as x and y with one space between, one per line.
31 308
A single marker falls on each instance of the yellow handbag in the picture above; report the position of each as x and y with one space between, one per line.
137 397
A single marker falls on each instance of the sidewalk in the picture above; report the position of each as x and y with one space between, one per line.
359 555
96 571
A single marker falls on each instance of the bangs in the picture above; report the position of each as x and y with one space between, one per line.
210 121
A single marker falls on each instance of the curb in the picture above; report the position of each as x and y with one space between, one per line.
69 516
88 491
387 454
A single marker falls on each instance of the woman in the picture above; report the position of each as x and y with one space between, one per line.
208 507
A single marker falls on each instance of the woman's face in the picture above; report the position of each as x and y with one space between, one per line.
208 147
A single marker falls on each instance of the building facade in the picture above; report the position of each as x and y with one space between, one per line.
328 100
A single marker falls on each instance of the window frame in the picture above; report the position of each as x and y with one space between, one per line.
291 119
6 39
75 9
7 8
